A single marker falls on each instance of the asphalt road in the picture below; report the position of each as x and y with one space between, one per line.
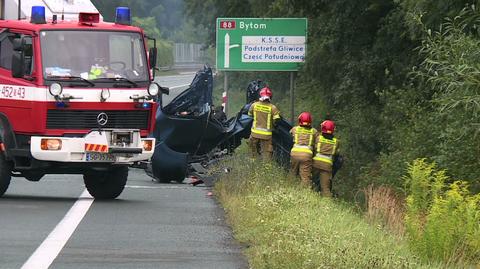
150 225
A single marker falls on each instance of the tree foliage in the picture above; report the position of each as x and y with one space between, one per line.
168 16
396 92
165 49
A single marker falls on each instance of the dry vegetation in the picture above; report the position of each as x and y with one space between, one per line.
386 208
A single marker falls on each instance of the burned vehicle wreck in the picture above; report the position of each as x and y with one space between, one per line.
188 130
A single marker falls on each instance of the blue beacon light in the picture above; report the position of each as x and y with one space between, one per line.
38 15
123 16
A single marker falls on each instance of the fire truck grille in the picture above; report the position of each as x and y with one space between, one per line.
87 119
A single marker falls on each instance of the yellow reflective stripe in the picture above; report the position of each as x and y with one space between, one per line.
254 119
303 130
261 132
327 157
299 130
294 149
276 116
263 108
327 141
269 121
296 136
323 159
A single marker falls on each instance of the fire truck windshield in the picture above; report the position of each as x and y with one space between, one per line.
94 55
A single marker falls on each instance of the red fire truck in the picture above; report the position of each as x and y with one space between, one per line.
76 97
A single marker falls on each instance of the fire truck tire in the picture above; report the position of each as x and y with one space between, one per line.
5 174
106 185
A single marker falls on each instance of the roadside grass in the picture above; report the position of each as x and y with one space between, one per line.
284 225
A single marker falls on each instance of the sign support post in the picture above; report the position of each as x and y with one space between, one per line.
292 98
225 89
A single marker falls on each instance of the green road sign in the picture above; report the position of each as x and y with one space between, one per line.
261 44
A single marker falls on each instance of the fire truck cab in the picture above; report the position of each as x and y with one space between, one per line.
76 97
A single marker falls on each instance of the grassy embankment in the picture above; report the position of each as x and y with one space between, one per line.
286 226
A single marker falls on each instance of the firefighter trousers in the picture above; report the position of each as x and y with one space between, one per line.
325 177
303 168
262 147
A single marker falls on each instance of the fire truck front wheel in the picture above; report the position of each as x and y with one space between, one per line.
5 174
106 185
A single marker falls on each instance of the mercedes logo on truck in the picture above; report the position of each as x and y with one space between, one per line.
102 119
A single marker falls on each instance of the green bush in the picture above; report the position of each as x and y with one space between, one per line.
442 220
165 53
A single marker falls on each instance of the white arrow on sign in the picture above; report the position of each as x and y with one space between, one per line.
227 50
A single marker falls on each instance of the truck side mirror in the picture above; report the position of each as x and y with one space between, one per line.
165 90
18 57
152 57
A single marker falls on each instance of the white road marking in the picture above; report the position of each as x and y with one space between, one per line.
48 251
179 86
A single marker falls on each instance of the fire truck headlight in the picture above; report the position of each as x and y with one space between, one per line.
55 89
153 89
51 144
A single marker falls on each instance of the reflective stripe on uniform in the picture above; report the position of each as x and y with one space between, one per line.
263 109
300 148
327 141
323 158
261 131
303 148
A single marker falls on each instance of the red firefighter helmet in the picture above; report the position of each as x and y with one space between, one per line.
328 127
305 119
266 93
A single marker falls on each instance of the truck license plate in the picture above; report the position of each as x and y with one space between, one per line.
99 157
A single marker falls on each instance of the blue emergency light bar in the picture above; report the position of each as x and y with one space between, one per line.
123 16
38 15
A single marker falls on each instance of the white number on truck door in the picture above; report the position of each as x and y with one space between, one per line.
12 92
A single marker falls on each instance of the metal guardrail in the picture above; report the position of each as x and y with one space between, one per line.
187 56
188 53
